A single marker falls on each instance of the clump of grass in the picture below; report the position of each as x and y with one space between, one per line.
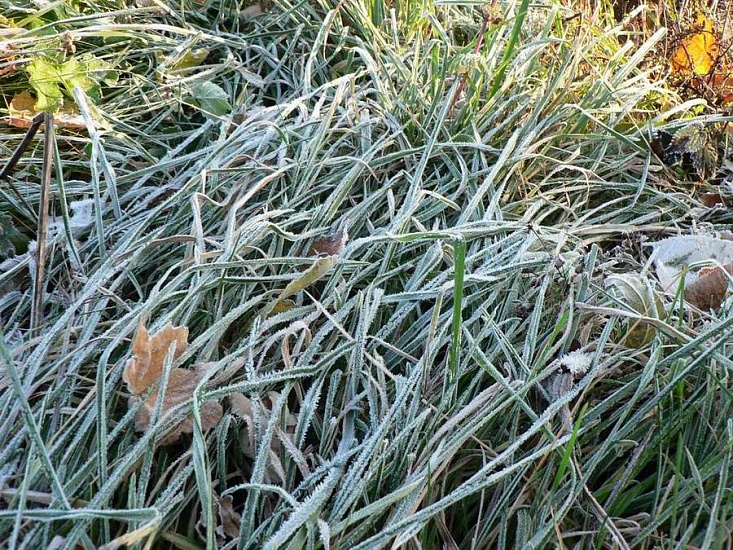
488 191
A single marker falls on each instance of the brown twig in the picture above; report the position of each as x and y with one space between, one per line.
47 170
22 146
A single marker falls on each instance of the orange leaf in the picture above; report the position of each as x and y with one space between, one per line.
22 110
722 83
698 52
145 370
718 84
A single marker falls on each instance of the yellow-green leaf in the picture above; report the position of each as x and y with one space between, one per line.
49 78
45 76
192 58
319 268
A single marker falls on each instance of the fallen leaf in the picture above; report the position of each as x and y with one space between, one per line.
327 250
722 84
332 244
709 288
251 11
705 65
698 52
318 269
705 287
716 85
281 306
8 57
49 78
638 292
67 44
23 101
227 526
190 59
711 200
22 111
209 97
692 147
229 520
145 370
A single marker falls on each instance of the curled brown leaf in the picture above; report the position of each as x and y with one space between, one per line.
145 370
228 519
709 288
332 244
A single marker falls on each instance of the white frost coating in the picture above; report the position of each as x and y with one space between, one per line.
306 512
674 255
81 217
577 362
81 213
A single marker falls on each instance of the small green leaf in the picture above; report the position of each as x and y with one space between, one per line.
87 72
192 58
73 73
98 70
47 77
44 76
209 97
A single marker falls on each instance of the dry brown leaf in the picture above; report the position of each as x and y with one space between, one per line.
676 261
145 370
241 406
22 110
229 520
227 525
711 200
8 57
330 245
722 84
717 85
709 288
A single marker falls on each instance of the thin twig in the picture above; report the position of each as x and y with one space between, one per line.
47 170
22 146
19 150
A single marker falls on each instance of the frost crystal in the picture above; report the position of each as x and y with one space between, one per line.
577 362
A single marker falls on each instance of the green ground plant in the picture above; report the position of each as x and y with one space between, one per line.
458 375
